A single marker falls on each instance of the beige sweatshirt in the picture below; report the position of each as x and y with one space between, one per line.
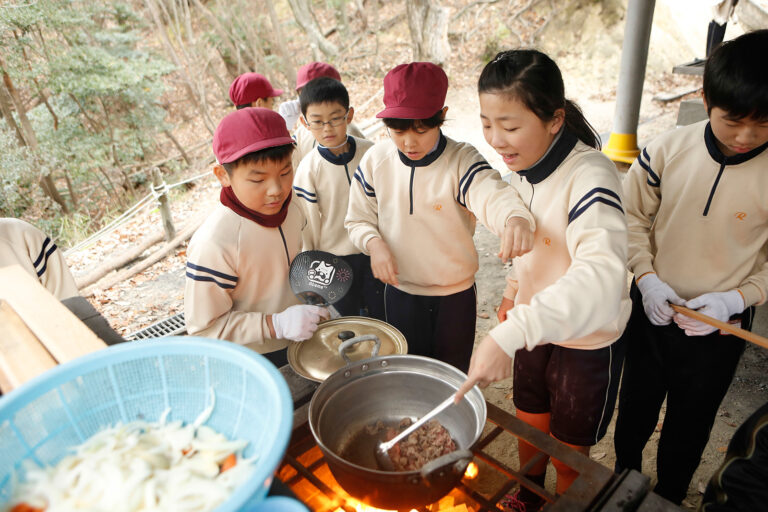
321 186
237 274
306 142
426 212
697 218
571 289
25 245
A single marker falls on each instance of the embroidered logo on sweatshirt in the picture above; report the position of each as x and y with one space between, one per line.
741 215
437 207
547 241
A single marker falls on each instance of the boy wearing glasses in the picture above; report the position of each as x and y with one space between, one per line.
322 185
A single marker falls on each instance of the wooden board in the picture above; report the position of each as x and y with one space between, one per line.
37 331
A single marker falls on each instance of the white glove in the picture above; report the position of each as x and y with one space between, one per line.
290 110
298 323
719 305
656 296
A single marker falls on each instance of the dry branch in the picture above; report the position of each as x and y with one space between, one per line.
118 262
111 280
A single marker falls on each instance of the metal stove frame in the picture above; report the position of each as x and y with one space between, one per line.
597 488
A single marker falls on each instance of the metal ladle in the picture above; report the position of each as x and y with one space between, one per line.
382 451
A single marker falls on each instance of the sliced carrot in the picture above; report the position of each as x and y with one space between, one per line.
185 451
25 507
229 462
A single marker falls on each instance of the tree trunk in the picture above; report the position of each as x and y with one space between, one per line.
289 68
40 91
7 109
197 99
30 139
179 147
72 194
302 11
428 24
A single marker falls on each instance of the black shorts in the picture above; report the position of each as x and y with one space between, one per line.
577 387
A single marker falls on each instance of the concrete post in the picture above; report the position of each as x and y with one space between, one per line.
622 144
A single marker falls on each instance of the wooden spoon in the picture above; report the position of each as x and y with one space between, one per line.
723 326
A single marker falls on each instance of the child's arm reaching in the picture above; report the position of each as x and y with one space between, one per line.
496 205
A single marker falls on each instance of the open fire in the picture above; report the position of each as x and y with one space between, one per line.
311 480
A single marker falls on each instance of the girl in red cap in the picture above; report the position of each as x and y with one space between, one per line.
413 208
566 301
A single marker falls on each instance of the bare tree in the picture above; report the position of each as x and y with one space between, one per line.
302 11
30 140
428 23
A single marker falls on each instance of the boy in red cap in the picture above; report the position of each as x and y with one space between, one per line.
238 260
414 209
291 110
253 90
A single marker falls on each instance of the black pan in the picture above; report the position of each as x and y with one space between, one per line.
320 278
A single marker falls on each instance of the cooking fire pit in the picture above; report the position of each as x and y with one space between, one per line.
488 479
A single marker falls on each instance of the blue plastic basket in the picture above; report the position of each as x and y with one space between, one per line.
63 407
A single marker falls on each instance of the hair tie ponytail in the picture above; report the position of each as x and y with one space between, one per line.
578 125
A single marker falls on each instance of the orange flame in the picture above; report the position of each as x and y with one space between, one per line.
472 471
362 507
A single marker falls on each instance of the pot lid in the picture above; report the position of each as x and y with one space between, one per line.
319 356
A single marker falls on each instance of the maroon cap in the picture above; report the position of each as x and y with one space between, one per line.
249 87
247 130
314 70
414 91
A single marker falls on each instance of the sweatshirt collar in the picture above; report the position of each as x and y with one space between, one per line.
719 157
560 148
341 159
429 158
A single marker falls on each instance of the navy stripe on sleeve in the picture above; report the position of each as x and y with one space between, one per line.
42 252
577 210
309 199
45 260
369 191
226 286
653 178
304 191
216 273
466 180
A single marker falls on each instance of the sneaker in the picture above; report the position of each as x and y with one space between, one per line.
515 503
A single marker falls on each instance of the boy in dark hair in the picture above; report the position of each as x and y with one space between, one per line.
698 229
253 90
322 185
414 209
238 260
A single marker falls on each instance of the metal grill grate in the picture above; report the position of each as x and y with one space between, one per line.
168 327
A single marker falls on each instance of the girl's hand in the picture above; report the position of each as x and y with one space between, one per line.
517 239
489 364
383 263
506 305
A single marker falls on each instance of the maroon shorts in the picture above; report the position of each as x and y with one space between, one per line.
577 387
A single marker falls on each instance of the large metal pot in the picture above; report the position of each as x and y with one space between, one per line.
389 389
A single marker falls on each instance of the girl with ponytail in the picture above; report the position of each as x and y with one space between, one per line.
566 304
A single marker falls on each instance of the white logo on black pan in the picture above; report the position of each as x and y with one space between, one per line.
320 273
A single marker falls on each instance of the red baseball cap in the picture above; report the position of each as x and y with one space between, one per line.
414 91
249 87
313 70
247 130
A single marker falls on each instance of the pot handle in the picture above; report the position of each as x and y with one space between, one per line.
453 463
344 345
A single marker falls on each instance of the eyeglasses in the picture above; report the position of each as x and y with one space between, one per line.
333 122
